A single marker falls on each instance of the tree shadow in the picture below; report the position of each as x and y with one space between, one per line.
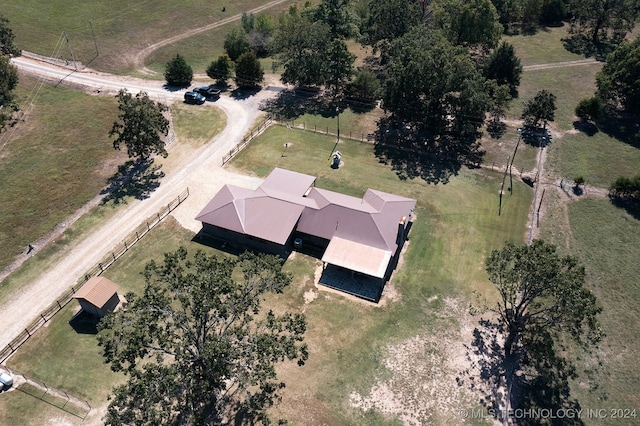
536 136
135 178
633 208
537 377
242 93
171 88
586 127
580 44
416 154
496 129
622 126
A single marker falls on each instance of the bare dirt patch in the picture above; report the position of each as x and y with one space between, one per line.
425 387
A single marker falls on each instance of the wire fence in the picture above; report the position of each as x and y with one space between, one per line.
106 261
72 404
326 130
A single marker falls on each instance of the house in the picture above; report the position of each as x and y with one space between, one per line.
98 296
363 235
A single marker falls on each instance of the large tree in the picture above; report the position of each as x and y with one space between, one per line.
178 72
338 16
540 290
196 346
388 20
236 42
541 107
504 66
601 19
8 73
220 69
140 126
434 85
469 23
619 80
7 39
249 72
8 82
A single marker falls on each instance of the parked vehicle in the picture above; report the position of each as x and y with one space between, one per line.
194 98
209 92
5 380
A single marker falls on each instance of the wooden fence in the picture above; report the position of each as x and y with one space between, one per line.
107 261
247 139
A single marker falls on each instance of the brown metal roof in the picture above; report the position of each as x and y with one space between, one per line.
366 229
97 291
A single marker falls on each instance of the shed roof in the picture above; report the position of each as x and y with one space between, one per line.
97 291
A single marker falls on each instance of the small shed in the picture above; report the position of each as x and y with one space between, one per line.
98 296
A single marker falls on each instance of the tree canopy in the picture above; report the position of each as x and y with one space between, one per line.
388 20
541 108
541 291
249 72
469 23
434 85
504 66
8 72
196 346
140 126
236 42
178 72
602 19
619 79
220 69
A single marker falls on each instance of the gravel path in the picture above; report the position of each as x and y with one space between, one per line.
201 172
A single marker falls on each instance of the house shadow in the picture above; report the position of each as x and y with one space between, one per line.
363 286
84 323
537 377
414 154
137 179
217 244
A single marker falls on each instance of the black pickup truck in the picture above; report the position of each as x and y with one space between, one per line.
209 92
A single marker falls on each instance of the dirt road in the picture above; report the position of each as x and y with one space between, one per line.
201 172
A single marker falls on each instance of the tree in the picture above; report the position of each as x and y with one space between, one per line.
504 66
249 72
619 79
433 85
338 16
8 82
220 69
389 20
7 46
577 181
196 345
236 43
589 109
178 72
541 292
365 86
470 23
339 64
8 73
500 100
541 107
141 125
601 19
625 189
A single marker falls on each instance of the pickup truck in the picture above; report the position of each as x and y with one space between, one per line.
209 92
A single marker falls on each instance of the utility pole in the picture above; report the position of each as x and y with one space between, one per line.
73 58
95 43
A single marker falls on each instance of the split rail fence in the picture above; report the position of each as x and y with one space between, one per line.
107 261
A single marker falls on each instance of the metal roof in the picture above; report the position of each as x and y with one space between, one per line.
357 257
97 291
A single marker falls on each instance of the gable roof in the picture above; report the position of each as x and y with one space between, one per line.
97 291
365 229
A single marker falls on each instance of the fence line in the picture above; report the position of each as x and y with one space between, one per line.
326 130
246 140
80 403
106 261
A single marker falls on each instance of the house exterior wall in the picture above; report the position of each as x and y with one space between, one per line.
244 241
90 308
110 305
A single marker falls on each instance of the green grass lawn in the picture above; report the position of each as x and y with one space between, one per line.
606 239
456 228
121 27
52 163
545 46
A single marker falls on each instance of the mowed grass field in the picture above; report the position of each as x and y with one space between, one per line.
121 28
53 162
